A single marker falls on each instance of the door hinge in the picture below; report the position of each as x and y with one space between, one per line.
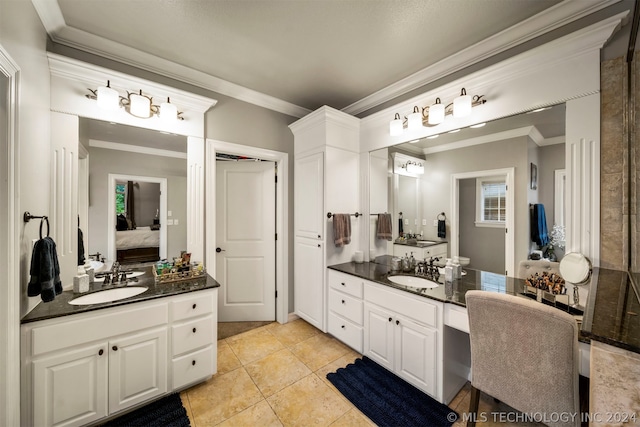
506 230
276 179
276 236
276 294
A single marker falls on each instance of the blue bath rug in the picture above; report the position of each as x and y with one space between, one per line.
166 412
388 400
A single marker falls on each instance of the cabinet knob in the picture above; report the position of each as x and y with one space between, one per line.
193 306
194 330
390 319
114 348
318 244
343 301
342 283
397 322
342 326
318 236
193 363
101 352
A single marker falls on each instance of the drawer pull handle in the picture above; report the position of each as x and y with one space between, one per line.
343 301
101 352
390 319
343 326
193 363
342 283
318 236
193 306
397 322
114 348
318 244
194 330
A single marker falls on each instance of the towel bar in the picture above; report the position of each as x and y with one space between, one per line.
357 214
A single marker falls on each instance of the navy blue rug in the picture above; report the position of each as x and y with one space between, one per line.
166 412
388 400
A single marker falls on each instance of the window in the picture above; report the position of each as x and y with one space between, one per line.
121 197
491 202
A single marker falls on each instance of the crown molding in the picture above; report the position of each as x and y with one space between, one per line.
323 116
544 22
136 149
530 131
53 21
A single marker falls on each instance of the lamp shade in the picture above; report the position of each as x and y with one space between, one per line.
414 120
436 113
107 98
395 126
415 168
168 111
139 105
462 105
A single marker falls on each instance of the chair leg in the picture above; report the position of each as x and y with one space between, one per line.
473 406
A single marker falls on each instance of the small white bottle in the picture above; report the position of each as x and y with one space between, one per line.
81 281
457 268
448 271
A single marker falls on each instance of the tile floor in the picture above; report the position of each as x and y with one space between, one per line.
275 375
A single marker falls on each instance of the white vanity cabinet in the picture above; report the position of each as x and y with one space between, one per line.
346 308
81 368
421 253
326 179
402 332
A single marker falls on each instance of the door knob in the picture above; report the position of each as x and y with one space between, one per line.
219 250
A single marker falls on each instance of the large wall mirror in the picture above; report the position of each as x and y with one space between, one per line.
136 182
474 165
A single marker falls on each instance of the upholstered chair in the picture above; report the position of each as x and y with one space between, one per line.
529 267
524 354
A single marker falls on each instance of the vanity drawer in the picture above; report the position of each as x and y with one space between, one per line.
191 335
420 309
346 331
192 367
456 317
192 305
346 306
347 283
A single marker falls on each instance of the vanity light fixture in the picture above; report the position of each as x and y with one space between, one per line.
136 104
415 168
479 125
435 113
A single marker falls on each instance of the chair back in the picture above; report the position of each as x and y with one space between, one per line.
529 267
525 354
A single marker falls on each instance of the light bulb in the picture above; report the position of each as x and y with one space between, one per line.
139 105
168 111
462 105
436 113
107 98
414 120
395 126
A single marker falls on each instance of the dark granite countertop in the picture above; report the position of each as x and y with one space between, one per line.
419 243
60 305
610 305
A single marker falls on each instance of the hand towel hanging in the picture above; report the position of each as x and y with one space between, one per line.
384 227
341 229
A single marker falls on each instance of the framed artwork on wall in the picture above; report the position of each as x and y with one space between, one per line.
533 178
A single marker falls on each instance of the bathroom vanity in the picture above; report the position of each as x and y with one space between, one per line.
83 364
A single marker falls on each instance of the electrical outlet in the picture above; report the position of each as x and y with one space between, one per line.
424 222
435 222
406 222
415 221
169 213
175 222
169 222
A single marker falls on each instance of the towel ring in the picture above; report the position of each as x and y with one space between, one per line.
42 221
441 214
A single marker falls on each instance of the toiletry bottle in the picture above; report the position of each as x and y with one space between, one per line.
405 263
81 281
457 268
448 271
412 262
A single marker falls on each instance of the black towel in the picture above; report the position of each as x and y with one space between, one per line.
44 271
80 247
442 228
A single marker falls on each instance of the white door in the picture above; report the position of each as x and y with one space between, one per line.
245 246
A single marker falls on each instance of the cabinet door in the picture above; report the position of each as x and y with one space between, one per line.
137 368
378 338
309 281
416 354
70 388
309 196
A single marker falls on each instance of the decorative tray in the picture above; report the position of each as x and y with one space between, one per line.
174 274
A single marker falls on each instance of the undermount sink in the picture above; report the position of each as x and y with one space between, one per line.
108 295
414 282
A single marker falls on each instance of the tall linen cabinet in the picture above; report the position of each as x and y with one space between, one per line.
326 180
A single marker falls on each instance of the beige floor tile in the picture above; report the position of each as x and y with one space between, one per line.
259 414
319 351
254 345
227 360
353 418
308 402
185 402
277 371
466 389
222 397
294 332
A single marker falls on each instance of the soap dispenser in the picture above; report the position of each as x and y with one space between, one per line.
412 262
81 281
448 271
405 263
457 268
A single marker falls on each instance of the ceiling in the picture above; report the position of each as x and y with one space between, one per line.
297 55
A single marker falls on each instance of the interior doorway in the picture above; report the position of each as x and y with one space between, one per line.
460 209
281 160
